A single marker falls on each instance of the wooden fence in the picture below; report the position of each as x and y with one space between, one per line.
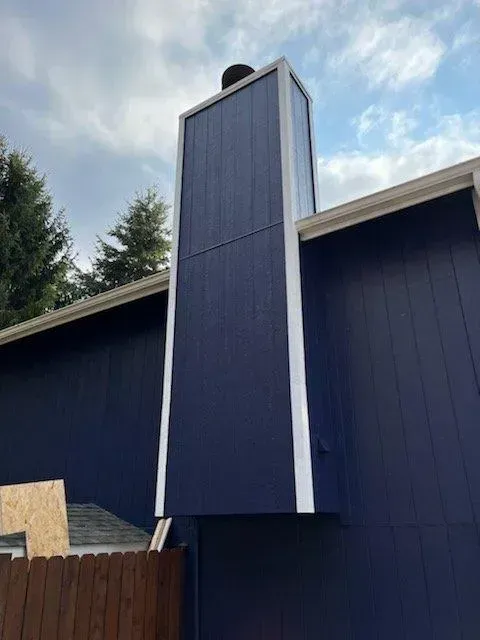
129 596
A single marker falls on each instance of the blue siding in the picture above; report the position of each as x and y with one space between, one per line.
303 186
82 402
392 317
307 577
232 171
230 436
386 307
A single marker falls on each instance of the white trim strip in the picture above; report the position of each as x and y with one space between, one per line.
170 333
102 302
476 194
233 88
405 195
302 458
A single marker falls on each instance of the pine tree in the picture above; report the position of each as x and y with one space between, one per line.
35 243
140 247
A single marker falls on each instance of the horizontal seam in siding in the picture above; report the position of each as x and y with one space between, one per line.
222 244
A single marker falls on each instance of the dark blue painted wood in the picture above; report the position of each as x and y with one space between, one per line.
440 578
386 588
465 551
230 436
231 184
391 316
230 445
390 307
82 402
303 193
309 577
416 614
358 578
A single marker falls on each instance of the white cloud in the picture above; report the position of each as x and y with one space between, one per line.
401 124
16 49
394 126
142 120
393 53
351 174
368 120
465 36
168 57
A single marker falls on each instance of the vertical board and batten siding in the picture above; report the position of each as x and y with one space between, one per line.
392 311
303 193
82 402
230 445
392 332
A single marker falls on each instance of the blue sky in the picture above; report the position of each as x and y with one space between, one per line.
93 89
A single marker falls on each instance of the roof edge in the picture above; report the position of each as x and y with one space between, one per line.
402 196
434 185
102 302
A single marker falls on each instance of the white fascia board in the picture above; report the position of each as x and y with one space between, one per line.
121 295
429 187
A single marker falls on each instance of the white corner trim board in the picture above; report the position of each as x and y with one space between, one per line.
103 301
170 331
302 458
476 194
429 187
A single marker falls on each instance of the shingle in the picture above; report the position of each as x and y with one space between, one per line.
89 524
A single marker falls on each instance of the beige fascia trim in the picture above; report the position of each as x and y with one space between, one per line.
101 302
429 187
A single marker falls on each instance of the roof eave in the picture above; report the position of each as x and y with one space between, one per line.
429 187
102 302
461 176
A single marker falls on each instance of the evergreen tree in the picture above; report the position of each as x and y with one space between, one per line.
35 243
140 247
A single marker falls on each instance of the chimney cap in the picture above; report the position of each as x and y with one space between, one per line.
235 73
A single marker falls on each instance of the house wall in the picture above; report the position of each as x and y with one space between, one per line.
392 315
82 402
392 319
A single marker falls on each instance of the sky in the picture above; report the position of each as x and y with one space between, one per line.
93 89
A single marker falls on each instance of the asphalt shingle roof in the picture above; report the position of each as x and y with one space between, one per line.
89 524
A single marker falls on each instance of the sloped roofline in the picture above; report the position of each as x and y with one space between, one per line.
434 185
96 304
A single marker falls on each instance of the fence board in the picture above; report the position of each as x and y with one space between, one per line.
51 604
150 628
174 594
139 597
125 619
113 597
17 590
5 562
99 597
68 598
32 620
163 604
119 597
84 597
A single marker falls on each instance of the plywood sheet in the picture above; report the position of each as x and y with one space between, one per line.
39 509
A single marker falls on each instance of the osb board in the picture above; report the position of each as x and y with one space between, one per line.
39 509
